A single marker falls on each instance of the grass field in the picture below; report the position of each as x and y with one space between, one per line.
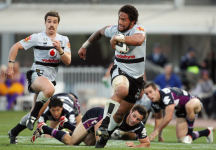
9 119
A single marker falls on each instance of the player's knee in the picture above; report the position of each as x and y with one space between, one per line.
48 92
121 91
181 139
67 140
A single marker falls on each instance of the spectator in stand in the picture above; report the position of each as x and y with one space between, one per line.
168 78
15 86
204 90
210 64
3 86
189 69
188 62
157 57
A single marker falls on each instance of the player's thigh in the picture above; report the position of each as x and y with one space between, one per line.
181 128
90 139
194 104
42 84
79 134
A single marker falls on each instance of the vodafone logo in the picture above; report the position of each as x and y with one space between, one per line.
52 53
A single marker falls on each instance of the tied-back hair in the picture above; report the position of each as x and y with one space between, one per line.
141 110
55 102
53 14
131 11
151 84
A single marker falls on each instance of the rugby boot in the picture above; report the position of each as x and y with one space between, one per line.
38 132
30 122
188 139
210 138
101 143
102 132
13 139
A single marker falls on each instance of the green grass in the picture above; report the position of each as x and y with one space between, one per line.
9 119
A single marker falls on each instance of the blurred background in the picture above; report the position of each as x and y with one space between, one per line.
181 42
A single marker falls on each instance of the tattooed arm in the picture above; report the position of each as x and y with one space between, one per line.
94 37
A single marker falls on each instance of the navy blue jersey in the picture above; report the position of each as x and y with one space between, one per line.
170 96
71 109
139 129
94 115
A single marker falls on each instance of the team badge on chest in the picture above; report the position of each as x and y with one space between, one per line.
52 53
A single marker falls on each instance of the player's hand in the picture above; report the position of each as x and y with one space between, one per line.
160 139
153 135
56 44
113 42
82 53
130 144
9 73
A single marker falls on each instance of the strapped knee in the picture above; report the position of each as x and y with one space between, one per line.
119 81
41 98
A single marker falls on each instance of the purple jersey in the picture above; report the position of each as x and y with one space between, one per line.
170 96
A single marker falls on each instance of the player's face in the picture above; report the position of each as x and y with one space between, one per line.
56 111
51 25
124 22
151 94
134 118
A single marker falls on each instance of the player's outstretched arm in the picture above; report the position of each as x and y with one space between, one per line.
143 143
158 119
94 37
167 118
12 56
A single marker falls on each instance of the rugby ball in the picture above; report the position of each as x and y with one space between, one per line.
121 47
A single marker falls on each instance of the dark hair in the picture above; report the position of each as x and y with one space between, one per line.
151 84
131 11
55 102
53 14
141 110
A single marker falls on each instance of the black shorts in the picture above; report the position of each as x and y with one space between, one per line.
181 113
92 117
30 79
135 85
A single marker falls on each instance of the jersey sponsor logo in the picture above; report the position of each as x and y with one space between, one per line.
52 53
94 122
144 134
50 60
125 56
166 100
109 26
140 29
27 39
68 44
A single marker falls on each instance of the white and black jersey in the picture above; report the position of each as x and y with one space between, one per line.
169 96
71 109
132 63
46 57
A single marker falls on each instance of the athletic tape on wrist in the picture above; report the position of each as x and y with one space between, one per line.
86 44
120 38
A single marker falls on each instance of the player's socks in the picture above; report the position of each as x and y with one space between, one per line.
69 126
37 107
17 129
190 123
198 134
110 109
58 134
